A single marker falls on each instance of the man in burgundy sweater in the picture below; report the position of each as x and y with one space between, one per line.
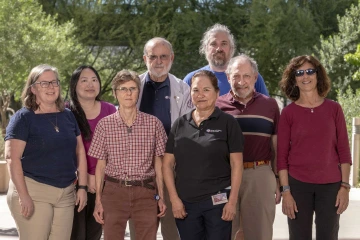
258 116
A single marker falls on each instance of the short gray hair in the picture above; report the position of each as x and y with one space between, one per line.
213 30
157 40
242 58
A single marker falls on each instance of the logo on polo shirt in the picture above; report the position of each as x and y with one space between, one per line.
213 130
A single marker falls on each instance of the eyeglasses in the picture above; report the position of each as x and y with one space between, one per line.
310 71
126 90
162 57
46 84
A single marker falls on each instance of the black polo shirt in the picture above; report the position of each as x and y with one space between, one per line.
202 154
156 101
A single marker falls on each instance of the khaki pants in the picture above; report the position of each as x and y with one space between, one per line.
256 205
53 211
168 226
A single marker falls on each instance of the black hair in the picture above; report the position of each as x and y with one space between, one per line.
75 105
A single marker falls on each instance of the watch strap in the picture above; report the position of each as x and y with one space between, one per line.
82 187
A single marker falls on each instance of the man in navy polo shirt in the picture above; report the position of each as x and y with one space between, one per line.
166 97
218 46
258 117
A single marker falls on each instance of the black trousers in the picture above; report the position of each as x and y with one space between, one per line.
314 198
84 225
204 222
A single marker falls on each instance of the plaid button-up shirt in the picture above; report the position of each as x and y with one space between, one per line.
129 154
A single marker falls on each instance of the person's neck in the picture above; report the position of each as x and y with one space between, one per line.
243 100
158 79
128 115
201 115
310 99
217 69
87 104
47 108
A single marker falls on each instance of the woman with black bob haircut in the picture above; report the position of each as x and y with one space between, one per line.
85 103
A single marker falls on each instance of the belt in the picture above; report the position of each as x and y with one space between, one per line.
130 183
255 164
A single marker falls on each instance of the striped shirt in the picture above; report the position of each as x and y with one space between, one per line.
258 120
129 152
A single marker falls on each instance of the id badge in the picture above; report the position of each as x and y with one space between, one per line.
219 198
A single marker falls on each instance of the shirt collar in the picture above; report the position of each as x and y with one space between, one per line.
215 114
149 80
138 119
229 97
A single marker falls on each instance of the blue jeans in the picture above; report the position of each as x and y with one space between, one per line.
204 222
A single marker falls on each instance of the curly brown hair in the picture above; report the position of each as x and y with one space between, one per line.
288 81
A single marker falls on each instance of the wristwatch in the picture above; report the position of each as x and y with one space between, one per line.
284 188
82 187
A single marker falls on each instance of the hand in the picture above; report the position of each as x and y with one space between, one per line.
289 205
99 213
91 183
229 212
178 209
27 206
342 200
277 192
162 208
81 199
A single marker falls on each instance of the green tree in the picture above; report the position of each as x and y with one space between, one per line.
29 37
333 49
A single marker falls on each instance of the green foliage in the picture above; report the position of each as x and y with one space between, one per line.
28 38
349 101
354 59
333 49
272 31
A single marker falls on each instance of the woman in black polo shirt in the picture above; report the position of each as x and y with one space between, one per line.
206 145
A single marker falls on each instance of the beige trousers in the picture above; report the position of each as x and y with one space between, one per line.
53 211
256 205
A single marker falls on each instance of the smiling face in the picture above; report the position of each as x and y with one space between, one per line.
88 85
203 93
218 50
306 83
158 60
127 94
242 79
46 96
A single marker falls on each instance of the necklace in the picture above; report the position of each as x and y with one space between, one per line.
55 125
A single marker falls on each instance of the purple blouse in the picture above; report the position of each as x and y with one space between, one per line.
106 109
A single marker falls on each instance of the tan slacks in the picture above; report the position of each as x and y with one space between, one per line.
256 205
53 211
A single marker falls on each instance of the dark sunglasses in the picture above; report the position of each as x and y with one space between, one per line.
310 71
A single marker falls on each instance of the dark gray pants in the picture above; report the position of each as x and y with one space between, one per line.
314 198
84 225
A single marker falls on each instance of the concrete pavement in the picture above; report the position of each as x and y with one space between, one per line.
349 221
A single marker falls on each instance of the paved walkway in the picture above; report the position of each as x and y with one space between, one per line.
349 221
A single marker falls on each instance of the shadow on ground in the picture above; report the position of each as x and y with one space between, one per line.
8 232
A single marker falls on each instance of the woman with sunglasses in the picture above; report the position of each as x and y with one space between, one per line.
85 103
44 150
313 152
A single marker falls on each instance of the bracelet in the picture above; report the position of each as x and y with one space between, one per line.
82 187
347 188
346 184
